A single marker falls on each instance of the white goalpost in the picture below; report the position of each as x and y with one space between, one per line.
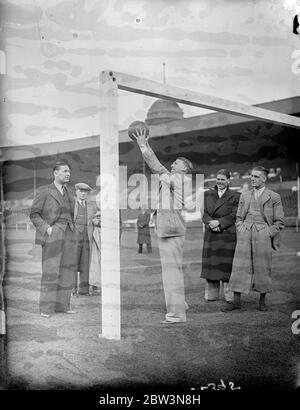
110 82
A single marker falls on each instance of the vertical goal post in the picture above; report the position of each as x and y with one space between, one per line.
110 83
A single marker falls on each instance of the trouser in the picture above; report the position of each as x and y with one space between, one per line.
171 254
83 257
149 248
251 267
212 290
58 271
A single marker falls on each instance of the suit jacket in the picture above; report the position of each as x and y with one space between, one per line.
222 209
272 211
169 220
91 210
46 209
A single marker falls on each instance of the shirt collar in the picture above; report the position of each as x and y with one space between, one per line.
221 190
59 186
259 191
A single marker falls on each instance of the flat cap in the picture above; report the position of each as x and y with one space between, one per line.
83 186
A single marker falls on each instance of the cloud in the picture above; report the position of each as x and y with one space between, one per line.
269 41
56 50
51 50
81 113
60 65
121 52
126 33
181 82
63 66
37 78
161 12
71 21
74 15
226 71
22 14
259 54
250 20
86 51
235 53
35 130
28 33
16 107
43 33
76 70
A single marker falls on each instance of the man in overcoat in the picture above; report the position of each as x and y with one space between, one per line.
170 228
259 221
84 211
220 206
52 215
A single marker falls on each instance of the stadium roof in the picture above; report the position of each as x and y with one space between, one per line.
214 120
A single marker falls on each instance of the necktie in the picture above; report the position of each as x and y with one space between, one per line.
83 203
63 190
255 194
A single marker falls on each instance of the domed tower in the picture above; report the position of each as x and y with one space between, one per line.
162 111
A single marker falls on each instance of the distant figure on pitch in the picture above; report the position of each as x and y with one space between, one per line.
52 215
144 235
259 220
170 225
84 211
220 206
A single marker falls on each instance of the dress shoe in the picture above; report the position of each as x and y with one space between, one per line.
230 306
70 312
45 315
262 308
171 322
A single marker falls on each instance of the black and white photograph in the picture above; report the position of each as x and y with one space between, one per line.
150 201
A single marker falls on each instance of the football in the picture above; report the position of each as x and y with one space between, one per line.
133 127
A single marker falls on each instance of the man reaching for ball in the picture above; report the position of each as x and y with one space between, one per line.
170 226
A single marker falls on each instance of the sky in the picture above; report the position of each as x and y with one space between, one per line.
54 50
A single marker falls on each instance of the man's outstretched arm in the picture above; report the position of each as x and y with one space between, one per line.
148 154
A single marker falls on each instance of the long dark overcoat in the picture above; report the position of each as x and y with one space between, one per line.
144 235
218 247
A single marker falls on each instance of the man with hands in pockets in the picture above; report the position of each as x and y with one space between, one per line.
52 215
259 220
